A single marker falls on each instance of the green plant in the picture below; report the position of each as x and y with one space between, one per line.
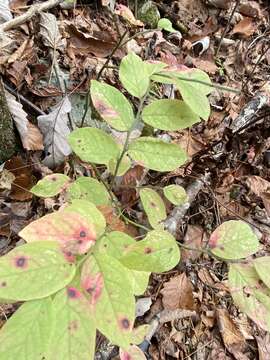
74 274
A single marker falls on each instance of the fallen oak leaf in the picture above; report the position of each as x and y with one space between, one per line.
245 27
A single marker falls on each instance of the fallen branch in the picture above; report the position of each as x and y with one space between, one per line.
177 215
32 11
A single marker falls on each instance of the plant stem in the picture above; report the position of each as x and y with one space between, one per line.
125 147
104 183
134 223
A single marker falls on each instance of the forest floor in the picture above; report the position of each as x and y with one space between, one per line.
229 153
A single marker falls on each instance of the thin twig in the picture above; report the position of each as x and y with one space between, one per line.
32 11
227 27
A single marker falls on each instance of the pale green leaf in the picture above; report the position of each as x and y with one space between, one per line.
134 75
250 294
165 24
34 271
154 207
262 267
90 212
194 98
153 66
109 292
71 230
124 166
112 105
233 239
114 244
157 252
157 155
89 189
168 114
25 335
50 185
93 145
73 330
176 194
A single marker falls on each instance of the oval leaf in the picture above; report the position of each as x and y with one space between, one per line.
165 24
156 155
249 294
93 145
33 271
114 244
168 114
233 239
70 230
112 106
134 75
107 286
157 252
176 194
90 213
73 330
25 335
50 185
262 267
124 166
153 206
89 189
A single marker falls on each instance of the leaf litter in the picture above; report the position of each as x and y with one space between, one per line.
81 39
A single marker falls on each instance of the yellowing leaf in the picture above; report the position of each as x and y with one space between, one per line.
93 145
50 185
153 206
233 239
176 194
33 271
112 105
156 155
168 114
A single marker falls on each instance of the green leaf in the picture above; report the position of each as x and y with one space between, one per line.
112 106
72 231
89 189
156 155
25 335
176 194
194 98
169 115
134 75
157 252
93 145
165 24
89 212
114 244
73 330
50 185
109 292
233 239
33 271
124 166
153 206
262 267
153 66
250 294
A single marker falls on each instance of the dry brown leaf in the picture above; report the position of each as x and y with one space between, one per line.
6 179
194 238
233 339
177 293
250 8
205 65
17 72
31 137
112 220
258 185
245 27
264 347
127 14
15 4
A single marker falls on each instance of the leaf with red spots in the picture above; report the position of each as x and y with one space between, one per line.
73 329
112 106
25 335
90 213
33 271
233 240
157 252
50 185
132 353
250 294
153 206
106 284
114 244
72 231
